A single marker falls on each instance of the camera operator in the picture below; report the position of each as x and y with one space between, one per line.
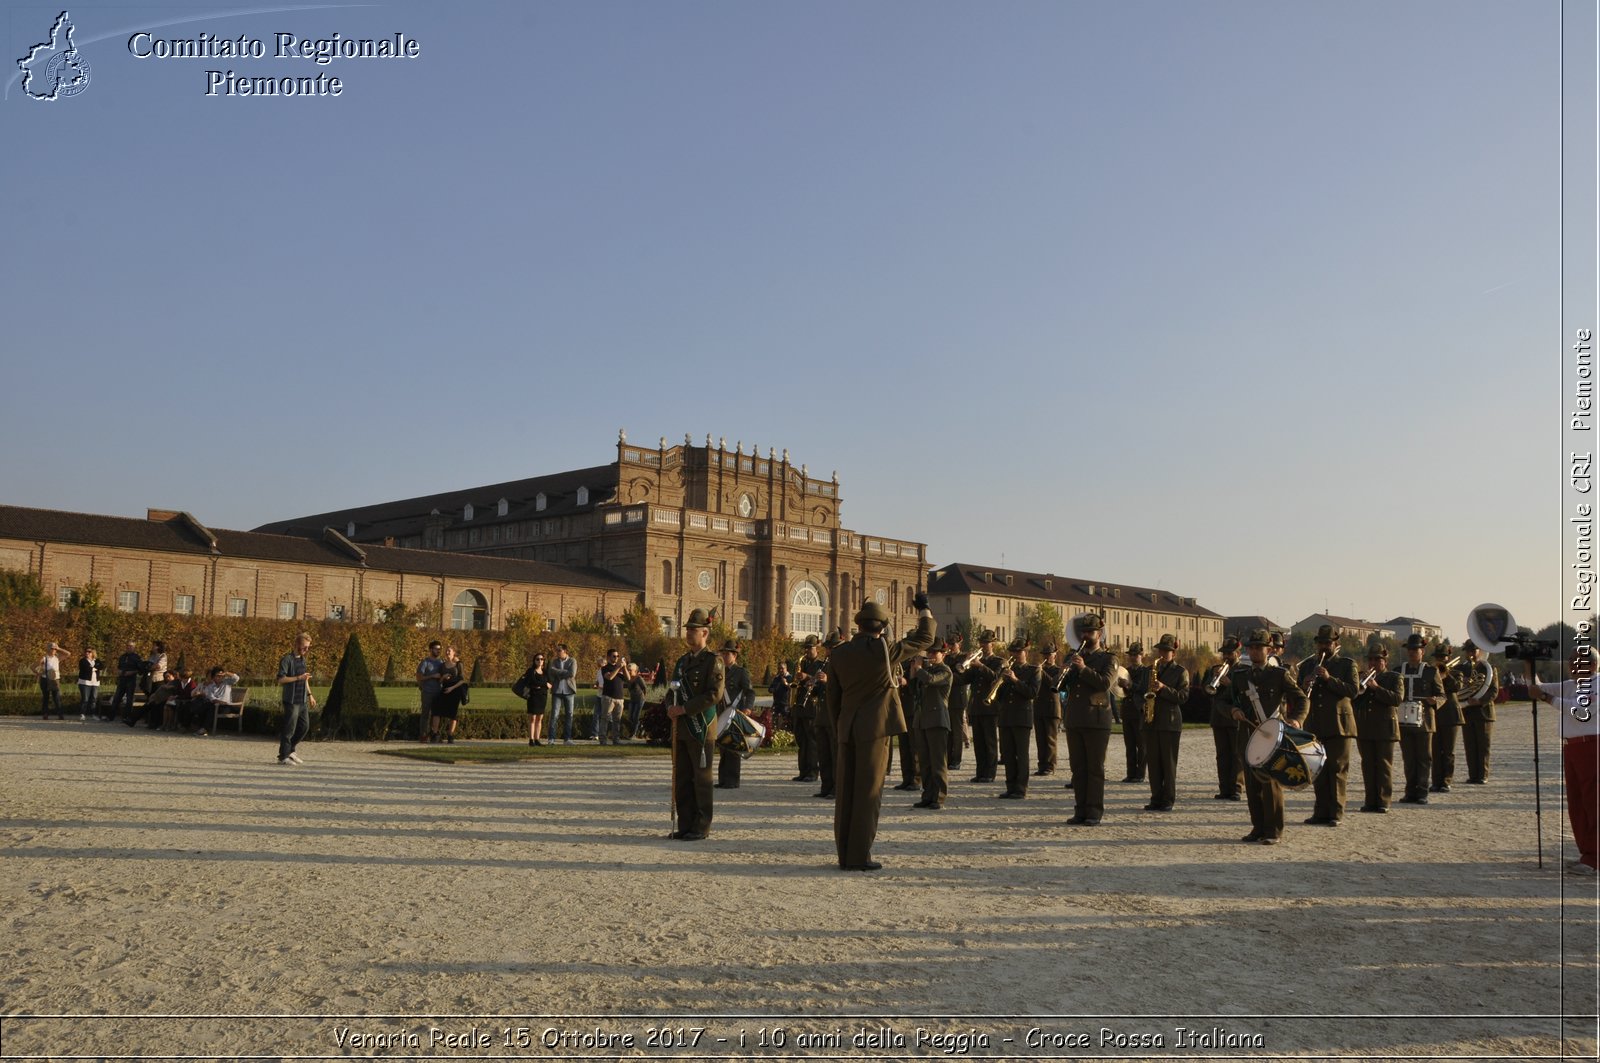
1580 751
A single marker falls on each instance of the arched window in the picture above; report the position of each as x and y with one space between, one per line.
502 507
540 501
470 613
583 496
806 610
466 511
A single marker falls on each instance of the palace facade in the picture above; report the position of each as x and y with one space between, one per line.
753 536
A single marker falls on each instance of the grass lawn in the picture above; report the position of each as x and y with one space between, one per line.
408 698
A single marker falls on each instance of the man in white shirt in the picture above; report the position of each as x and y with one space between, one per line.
49 672
1574 699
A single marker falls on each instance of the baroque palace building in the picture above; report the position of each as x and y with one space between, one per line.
987 597
755 537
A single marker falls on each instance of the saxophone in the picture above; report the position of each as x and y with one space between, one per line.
1149 694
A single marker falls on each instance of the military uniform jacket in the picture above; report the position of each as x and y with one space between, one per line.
980 680
1420 682
1331 715
700 677
1088 707
1449 708
806 696
737 690
1471 676
863 683
1017 696
1274 688
1377 718
1170 698
960 692
1222 700
1047 706
930 697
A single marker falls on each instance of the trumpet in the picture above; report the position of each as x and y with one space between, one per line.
1215 682
969 660
1311 684
1366 678
999 681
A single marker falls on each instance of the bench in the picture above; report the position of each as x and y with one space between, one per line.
232 710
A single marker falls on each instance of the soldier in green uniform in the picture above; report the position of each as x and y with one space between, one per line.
909 777
827 733
864 703
1019 688
1329 679
697 683
1377 726
960 692
1421 692
1087 719
931 680
741 695
1133 721
1047 710
1166 689
1230 767
982 713
1477 710
1446 722
807 695
1261 691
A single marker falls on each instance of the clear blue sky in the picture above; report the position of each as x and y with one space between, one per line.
1254 301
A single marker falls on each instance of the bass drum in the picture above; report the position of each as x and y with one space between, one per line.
739 733
1291 757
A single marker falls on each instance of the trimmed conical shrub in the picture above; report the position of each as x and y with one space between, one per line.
352 685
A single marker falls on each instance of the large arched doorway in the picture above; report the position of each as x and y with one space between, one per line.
470 612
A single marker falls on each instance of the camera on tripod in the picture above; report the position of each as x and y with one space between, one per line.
1522 646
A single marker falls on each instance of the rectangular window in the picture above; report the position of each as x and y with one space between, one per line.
550 625
335 612
183 604
238 607
127 601
65 596
288 610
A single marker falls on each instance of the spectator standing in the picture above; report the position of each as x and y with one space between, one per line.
452 694
155 667
613 684
635 687
49 672
563 688
534 686
294 680
428 685
88 683
129 665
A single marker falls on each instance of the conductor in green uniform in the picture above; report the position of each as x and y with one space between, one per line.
697 685
863 700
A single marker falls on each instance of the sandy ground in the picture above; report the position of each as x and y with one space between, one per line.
148 875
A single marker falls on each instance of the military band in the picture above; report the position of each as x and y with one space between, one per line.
1019 686
1446 722
1133 722
807 696
957 705
739 695
1479 688
697 683
982 713
1166 688
1421 692
1329 680
1376 707
931 683
1087 719
1230 765
1262 691
1047 711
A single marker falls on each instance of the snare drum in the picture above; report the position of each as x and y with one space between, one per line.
1286 754
739 733
1411 714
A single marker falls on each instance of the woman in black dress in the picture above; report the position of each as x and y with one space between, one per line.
535 686
452 693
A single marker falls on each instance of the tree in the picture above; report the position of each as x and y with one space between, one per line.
476 678
1042 624
589 624
21 590
388 670
352 686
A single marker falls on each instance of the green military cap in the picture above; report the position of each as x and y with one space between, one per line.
812 640
1442 651
871 611
1088 622
1259 637
730 647
698 618
1468 646
1326 633
986 635
1017 645
1229 644
939 647
1168 642
1376 648
1416 642
1277 640
835 638
1135 648
1047 649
